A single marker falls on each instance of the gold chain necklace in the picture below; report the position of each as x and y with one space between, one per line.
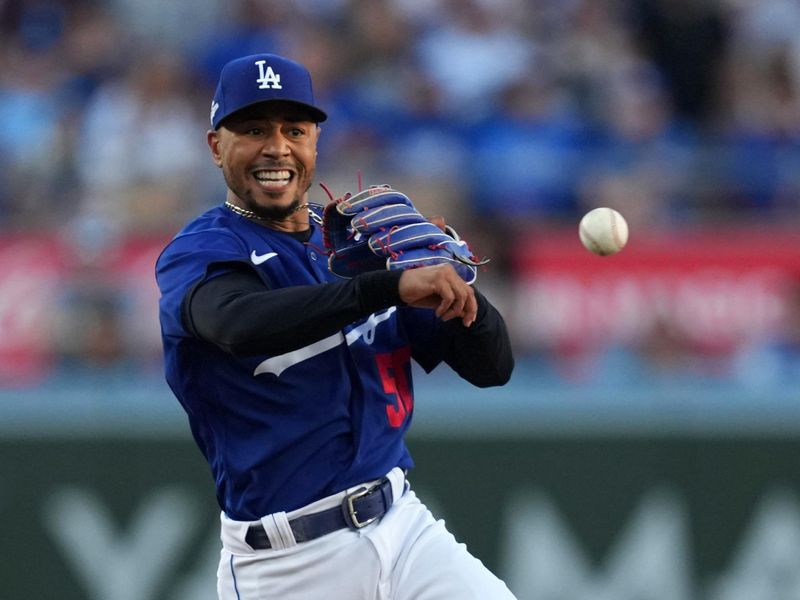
251 215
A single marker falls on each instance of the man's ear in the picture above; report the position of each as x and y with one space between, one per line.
213 145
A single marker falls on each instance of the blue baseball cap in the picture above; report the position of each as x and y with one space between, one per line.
261 78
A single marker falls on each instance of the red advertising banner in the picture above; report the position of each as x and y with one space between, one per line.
32 269
60 302
716 287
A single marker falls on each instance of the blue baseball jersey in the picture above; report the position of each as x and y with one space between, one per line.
282 431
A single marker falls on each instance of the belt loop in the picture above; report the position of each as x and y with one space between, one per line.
398 479
278 530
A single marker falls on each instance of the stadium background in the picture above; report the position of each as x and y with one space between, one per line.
647 446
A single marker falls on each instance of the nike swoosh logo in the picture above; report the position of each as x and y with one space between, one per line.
278 364
260 258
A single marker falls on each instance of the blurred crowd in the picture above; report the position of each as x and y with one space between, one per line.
503 112
510 108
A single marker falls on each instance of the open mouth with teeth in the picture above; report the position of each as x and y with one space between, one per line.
274 179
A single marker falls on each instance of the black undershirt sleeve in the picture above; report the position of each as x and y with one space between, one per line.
480 353
238 313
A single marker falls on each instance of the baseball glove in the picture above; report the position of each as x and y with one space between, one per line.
379 228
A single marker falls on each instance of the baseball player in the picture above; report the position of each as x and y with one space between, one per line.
288 331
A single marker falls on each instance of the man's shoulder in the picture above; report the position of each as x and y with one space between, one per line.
210 236
215 224
217 220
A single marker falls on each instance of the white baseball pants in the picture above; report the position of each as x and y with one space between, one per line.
407 555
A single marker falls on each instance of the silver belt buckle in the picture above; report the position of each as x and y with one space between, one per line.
350 510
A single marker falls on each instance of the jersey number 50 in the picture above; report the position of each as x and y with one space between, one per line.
392 367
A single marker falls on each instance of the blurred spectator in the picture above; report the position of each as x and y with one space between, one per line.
37 24
422 141
472 53
141 155
588 48
89 332
175 25
30 101
526 156
765 25
761 108
642 156
249 27
93 50
686 39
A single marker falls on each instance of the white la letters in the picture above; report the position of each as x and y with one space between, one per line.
268 78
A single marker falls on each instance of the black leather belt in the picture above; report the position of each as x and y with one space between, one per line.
358 509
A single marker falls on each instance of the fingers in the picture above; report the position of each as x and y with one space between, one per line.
464 306
439 221
459 302
439 287
470 309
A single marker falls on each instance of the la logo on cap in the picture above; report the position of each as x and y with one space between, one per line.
268 78
276 79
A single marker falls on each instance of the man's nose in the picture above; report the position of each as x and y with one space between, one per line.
275 144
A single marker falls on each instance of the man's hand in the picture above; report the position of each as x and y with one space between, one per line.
441 288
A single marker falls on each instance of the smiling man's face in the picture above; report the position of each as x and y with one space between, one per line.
268 155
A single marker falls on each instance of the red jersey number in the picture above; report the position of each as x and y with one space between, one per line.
392 367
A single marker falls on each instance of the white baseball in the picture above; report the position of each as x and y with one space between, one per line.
603 231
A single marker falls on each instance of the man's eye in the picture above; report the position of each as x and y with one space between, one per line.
254 131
